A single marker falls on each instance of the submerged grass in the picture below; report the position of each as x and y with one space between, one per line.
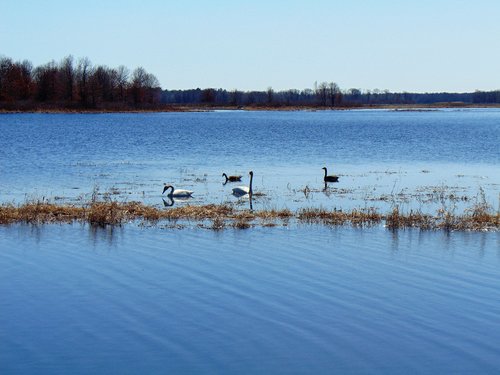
478 217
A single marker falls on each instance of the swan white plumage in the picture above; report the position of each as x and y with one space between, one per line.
243 190
178 193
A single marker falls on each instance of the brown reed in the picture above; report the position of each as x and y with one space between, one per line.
478 217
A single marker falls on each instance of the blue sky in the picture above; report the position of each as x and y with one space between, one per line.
419 46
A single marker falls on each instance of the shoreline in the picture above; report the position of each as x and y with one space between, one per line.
198 108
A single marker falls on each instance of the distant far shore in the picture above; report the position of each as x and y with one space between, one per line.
71 86
207 108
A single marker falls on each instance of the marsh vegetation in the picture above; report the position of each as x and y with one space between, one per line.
479 216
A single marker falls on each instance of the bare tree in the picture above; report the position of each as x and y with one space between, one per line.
101 86
145 87
66 78
235 97
322 93
15 80
334 94
122 74
270 95
208 96
83 73
46 82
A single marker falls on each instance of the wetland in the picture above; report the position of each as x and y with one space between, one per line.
394 268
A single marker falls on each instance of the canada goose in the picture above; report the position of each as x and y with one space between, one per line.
243 190
231 178
179 193
331 178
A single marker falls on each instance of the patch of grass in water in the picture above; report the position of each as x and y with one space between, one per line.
98 213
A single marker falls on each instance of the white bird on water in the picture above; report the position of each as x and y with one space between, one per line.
243 190
178 193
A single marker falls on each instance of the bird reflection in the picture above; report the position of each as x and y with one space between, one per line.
326 190
168 203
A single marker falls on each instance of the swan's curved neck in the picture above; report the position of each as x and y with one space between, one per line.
325 172
225 175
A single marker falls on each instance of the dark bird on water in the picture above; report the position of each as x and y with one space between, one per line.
231 178
331 178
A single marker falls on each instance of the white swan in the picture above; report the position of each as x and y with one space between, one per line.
179 193
243 190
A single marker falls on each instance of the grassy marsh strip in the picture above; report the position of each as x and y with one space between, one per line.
217 217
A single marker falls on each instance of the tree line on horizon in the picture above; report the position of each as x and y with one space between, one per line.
69 84
79 84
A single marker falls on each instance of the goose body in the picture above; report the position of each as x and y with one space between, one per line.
231 178
331 178
243 190
178 193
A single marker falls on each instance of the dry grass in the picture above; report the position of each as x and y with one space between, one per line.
241 224
274 214
396 220
354 217
478 217
39 212
218 223
106 213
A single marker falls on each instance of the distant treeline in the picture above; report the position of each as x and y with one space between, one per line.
76 85
319 97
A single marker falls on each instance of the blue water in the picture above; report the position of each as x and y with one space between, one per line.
413 159
81 300
294 299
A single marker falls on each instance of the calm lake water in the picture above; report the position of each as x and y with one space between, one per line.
295 299
82 300
414 159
